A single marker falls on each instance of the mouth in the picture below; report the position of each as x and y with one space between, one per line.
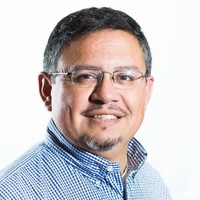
110 113
105 117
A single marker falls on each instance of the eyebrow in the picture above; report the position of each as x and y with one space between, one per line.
130 67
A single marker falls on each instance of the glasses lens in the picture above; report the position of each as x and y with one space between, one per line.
87 77
126 79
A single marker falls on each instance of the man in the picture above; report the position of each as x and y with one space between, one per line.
97 83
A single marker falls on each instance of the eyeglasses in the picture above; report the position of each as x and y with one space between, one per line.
92 76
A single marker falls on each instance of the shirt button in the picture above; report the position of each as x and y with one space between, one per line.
97 183
110 168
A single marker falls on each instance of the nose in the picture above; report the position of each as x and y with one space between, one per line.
105 92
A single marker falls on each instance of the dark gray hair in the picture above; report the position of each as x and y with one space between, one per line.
86 21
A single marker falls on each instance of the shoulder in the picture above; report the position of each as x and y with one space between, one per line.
150 181
149 171
149 174
24 161
17 172
35 171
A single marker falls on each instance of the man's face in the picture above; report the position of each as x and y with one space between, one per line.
100 118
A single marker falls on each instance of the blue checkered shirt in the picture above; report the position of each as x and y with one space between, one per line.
56 169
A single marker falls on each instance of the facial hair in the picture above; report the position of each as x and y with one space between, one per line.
99 145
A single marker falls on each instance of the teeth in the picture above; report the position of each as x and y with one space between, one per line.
105 117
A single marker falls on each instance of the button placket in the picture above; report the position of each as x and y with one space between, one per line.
113 178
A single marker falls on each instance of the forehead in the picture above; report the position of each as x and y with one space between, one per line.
105 48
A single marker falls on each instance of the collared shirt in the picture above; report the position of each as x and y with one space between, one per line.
57 169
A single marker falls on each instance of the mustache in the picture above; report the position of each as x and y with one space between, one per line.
112 107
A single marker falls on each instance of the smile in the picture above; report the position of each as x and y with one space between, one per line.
105 117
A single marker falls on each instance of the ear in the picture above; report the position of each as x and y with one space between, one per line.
148 89
45 89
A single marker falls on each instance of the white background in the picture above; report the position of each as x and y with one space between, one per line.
171 129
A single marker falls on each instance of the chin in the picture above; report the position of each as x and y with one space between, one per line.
95 144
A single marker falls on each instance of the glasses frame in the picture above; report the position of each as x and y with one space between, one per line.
100 77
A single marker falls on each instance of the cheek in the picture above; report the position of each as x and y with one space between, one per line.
135 102
61 99
137 110
74 101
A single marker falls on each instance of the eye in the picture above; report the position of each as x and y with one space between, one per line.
124 77
84 77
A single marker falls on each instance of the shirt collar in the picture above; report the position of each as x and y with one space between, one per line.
87 161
